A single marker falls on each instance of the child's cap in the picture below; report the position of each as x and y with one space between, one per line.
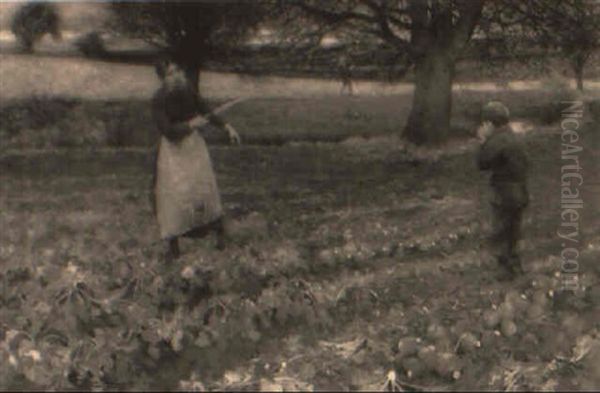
496 112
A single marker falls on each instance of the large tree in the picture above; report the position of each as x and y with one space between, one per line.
190 32
32 21
432 34
569 26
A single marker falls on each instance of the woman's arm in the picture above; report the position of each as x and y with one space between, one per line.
218 121
215 120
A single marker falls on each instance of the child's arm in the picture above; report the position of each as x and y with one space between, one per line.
492 152
518 158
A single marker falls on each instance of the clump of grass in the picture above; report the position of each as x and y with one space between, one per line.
49 122
34 113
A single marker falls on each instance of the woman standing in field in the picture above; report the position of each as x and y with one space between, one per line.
186 197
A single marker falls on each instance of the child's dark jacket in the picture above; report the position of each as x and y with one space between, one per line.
503 155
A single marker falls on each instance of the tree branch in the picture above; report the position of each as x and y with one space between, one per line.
420 36
329 15
470 13
382 18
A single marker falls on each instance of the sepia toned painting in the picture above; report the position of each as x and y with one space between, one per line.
300 195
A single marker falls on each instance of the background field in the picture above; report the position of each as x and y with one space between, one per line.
104 104
339 250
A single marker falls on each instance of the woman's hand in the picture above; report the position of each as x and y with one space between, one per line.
197 121
234 137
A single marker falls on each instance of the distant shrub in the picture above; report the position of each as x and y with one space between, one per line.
594 108
46 122
463 128
557 89
74 128
128 125
91 45
32 21
556 83
33 113
79 128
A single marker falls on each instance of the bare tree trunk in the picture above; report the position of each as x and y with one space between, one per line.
189 55
435 45
578 64
429 119
579 78
192 73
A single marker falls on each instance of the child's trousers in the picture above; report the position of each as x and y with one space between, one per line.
507 233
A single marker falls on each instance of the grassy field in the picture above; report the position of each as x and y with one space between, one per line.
348 260
103 104
339 253
42 122
24 76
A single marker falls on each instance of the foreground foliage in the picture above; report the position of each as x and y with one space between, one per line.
365 268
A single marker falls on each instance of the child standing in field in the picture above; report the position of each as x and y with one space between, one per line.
502 155
186 197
